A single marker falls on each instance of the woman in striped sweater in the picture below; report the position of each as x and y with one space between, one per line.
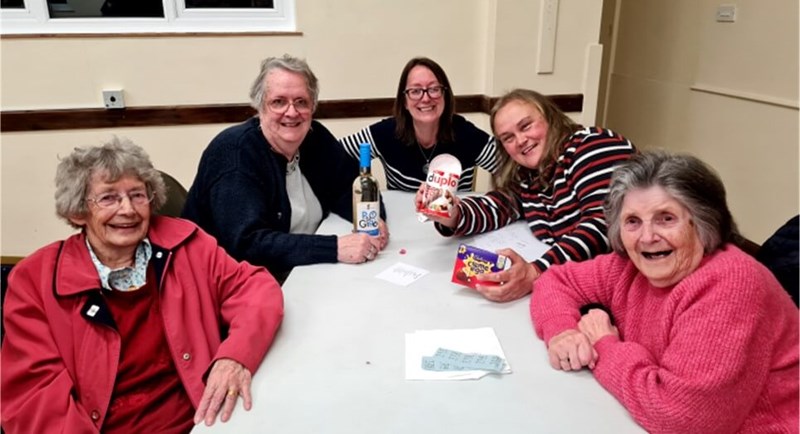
554 174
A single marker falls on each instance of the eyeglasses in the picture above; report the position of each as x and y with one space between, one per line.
281 105
114 200
433 92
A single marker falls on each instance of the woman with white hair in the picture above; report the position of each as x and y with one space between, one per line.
139 323
263 186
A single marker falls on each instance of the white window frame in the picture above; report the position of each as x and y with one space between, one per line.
34 19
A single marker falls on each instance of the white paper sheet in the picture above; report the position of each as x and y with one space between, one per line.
515 236
402 274
425 343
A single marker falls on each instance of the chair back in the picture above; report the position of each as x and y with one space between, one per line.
176 197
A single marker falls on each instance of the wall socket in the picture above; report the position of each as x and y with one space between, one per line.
113 99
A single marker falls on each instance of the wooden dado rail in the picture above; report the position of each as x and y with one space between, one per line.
70 119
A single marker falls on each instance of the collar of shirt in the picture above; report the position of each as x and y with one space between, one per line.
291 166
125 278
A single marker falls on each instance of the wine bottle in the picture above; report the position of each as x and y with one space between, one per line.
366 196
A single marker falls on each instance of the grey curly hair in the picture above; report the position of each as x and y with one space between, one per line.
288 63
688 180
113 159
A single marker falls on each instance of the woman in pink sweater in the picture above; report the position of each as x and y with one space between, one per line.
693 335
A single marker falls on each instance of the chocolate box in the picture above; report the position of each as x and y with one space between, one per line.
471 261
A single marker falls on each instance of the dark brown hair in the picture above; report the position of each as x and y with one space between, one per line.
405 124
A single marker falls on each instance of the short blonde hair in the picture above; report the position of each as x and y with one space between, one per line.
559 128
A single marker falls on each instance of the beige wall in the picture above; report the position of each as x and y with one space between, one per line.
747 129
356 47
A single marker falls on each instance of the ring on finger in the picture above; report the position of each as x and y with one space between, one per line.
232 393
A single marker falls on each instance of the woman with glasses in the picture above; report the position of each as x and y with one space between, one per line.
554 174
263 186
139 323
424 125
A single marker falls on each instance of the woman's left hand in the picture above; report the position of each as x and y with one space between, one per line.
227 380
570 350
596 324
516 282
383 236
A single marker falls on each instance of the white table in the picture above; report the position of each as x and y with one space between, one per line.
337 364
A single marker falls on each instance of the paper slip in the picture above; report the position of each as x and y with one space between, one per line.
449 360
402 274
457 345
515 236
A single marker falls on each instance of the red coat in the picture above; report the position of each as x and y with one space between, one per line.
61 350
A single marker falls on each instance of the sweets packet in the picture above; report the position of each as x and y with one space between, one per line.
472 261
440 187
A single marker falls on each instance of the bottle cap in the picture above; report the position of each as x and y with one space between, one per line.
364 155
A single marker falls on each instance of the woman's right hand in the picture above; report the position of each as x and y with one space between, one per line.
571 350
356 248
455 211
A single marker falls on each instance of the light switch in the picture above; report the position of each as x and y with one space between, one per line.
726 13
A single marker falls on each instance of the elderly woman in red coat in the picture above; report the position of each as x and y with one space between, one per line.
138 323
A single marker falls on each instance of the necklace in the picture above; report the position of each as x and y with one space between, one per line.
427 164
291 166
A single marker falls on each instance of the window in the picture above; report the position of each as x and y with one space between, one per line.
146 16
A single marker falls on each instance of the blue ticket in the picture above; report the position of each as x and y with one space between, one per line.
450 360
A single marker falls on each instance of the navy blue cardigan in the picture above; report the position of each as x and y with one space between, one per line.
239 195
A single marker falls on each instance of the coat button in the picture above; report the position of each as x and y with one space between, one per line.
159 255
187 356
95 415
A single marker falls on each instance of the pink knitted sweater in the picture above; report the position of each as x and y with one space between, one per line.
717 352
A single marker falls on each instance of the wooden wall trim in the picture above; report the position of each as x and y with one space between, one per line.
68 119
10 260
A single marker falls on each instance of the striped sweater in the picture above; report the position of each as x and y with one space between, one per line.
715 353
403 163
569 214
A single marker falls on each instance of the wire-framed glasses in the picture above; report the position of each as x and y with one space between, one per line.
114 200
281 105
433 92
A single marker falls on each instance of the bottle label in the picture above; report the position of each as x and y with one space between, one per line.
367 215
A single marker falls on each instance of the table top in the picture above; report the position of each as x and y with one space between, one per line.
337 363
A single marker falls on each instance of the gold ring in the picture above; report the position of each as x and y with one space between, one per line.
232 393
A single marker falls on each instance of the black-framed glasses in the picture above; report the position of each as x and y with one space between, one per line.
114 200
281 105
433 92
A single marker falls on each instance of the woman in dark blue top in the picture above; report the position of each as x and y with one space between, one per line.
424 125
263 186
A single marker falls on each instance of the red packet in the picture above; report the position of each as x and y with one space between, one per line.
440 187
471 261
